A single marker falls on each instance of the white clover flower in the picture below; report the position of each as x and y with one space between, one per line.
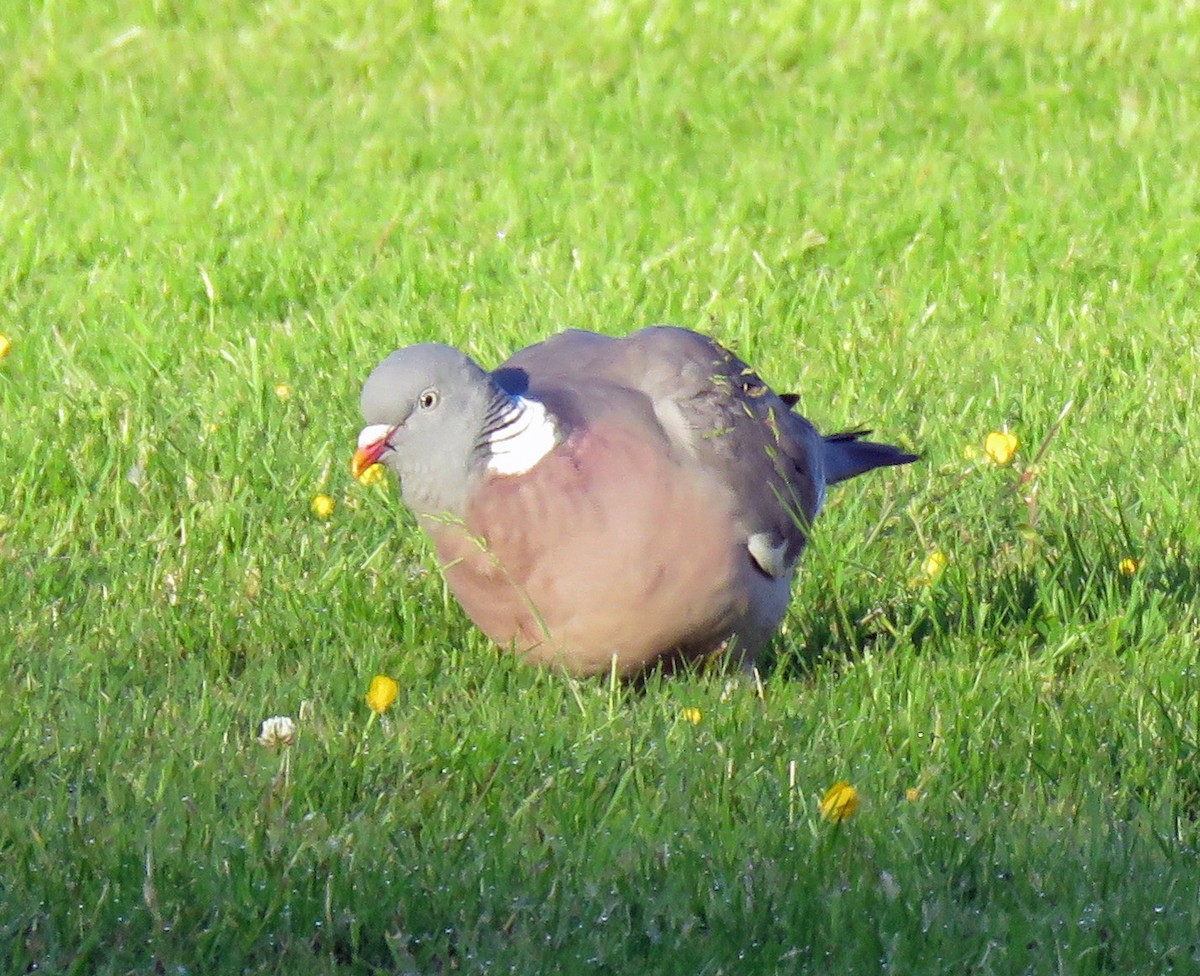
279 730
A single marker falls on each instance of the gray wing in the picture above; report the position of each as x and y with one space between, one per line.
741 431
713 411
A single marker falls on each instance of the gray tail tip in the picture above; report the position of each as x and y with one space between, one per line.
848 455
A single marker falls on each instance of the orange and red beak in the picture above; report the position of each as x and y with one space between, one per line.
372 445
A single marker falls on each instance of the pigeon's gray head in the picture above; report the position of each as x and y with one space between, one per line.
427 408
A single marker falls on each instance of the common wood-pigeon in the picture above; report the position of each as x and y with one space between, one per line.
601 503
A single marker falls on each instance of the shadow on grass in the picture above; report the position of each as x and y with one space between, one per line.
1055 599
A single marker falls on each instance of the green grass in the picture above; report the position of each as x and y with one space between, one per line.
935 219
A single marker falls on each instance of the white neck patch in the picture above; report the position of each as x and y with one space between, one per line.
526 435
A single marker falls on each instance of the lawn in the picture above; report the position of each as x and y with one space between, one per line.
937 220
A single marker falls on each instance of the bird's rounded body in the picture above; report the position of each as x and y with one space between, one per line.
622 576
663 522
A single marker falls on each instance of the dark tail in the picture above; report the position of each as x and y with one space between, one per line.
847 455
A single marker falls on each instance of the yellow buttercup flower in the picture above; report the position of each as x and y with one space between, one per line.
283 391
912 794
382 693
5 346
840 802
372 475
322 506
1128 566
693 715
1001 446
934 565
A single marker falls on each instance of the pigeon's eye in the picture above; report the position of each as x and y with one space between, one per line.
428 400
